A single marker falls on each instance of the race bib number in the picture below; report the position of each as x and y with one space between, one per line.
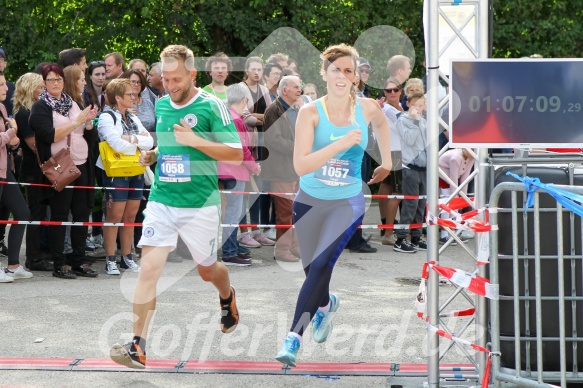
337 172
174 168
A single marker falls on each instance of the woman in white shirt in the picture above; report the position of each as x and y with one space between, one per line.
125 134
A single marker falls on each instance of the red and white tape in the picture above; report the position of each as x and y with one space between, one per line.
442 333
222 191
259 226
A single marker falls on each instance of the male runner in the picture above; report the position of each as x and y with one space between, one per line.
194 130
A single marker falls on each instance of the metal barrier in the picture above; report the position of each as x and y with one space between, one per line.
536 311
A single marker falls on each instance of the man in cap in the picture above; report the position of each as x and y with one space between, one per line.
364 70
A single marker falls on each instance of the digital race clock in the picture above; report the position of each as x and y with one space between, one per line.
516 103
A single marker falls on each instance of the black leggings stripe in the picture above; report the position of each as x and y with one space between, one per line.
323 229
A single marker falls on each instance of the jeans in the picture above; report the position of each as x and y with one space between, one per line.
413 210
233 213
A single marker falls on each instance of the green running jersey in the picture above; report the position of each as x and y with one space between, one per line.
187 177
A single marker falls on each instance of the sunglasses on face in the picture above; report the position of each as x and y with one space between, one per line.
392 90
365 71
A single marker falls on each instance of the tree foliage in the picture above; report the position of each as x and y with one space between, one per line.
35 31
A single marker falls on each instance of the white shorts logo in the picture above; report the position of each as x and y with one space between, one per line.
191 120
149 232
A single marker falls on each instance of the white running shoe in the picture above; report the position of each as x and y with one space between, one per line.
18 273
270 233
111 267
128 263
467 234
5 278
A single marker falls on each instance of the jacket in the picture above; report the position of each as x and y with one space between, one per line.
241 171
279 137
413 135
41 122
6 135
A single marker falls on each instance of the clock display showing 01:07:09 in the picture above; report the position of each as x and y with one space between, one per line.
519 104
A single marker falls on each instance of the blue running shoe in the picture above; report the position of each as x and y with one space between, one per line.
289 350
322 323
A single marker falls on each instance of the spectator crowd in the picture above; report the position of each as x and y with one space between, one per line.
76 104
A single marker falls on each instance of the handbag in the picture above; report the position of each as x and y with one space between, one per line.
59 169
117 164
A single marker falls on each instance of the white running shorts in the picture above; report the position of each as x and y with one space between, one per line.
198 228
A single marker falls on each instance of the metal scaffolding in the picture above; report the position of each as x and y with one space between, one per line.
471 35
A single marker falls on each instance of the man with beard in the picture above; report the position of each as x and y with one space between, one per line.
194 131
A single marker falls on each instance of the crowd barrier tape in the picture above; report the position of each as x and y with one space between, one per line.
463 342
471 282
377 196
258 226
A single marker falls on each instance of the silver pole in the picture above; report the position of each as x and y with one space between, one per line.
481 199
432 186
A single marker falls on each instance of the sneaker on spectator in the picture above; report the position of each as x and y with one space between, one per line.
419 244
443 240
287 257
111 267
97 240
128 263
237 261
404 246
467 234
5 278
39 265
261 239
270 233
18 273
246 241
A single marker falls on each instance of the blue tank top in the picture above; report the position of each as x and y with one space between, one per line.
341 176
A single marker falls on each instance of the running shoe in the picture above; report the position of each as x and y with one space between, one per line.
419 245
229 314
322 323
97 241
18 273
261 239
289 350
467 234
5 278
246 241
270 233
130 355
404 246
85 270
111 267
237 261
128 263
443 240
